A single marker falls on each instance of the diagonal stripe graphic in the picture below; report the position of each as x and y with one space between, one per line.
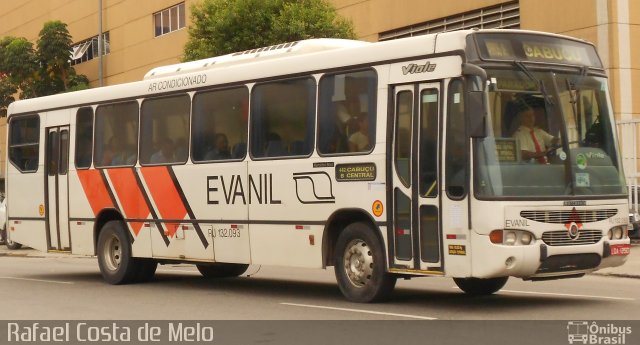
165 196
95 189
130 195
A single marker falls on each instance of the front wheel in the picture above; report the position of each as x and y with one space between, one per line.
117 265
480 287
359 264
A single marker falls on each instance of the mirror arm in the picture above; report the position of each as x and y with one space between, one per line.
474 70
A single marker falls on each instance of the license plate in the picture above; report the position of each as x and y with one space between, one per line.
620 249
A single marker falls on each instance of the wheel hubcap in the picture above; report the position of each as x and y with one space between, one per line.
112 253
358 263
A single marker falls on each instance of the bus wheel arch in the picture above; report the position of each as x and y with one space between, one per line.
336 223
102 219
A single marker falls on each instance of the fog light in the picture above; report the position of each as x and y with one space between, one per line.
510 262
526 238
510 238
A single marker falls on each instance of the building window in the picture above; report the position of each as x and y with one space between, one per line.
169 20
502 16
88 49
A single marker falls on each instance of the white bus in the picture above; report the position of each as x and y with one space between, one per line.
412 157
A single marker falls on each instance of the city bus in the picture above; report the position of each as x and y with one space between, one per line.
414 157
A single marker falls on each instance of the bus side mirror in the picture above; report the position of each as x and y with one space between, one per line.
476 114
476 78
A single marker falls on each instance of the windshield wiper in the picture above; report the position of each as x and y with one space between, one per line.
538 82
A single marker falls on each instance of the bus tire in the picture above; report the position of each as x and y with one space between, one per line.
222 270
480 287
9 243
360 267
117 265
146 270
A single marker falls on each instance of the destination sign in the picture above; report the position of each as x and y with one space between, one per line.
528 47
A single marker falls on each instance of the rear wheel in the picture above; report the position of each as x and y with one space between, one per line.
359 265
480 287
117 265
222 270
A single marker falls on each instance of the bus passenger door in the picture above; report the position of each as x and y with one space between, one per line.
416 237
56 188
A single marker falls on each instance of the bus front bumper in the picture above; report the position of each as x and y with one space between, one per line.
539 261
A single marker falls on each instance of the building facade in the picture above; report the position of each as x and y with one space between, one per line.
141 35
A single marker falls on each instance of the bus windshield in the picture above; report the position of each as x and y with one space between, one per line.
549 135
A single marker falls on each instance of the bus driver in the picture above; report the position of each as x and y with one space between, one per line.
534 142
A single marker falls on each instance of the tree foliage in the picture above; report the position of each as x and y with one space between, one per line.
28 71
225 26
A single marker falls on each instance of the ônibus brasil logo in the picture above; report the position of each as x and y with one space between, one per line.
581 332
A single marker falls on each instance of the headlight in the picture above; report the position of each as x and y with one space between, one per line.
525 238
510 238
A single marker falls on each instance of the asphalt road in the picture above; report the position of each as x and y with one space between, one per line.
71 288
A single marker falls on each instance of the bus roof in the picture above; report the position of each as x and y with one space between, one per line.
259 64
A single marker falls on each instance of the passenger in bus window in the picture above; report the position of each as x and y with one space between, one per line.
165 154
113 149
219 148
181 150
275 147
347 111
359 141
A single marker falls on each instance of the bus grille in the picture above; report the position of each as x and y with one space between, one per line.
561 237
563 217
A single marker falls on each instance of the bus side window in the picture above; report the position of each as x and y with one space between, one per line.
283 114
24 140
164 137
347 112
84 137
219 129
116 135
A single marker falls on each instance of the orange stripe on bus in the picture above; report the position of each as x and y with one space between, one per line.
95 190
131 198
165 195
